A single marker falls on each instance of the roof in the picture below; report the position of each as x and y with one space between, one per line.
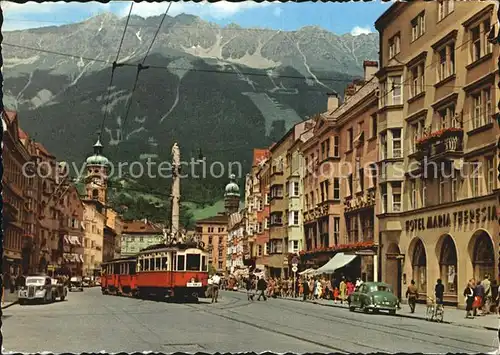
22 134
364 91
259 155
10 116
388 13
143 227
180 245
43 150
219 219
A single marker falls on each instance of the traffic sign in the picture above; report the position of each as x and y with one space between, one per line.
294 268
295 260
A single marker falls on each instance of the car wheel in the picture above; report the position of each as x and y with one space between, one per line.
364 308
352 309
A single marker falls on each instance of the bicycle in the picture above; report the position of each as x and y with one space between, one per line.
435 312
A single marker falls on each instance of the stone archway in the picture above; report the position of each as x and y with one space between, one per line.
483 255
393 268
447 252
419 266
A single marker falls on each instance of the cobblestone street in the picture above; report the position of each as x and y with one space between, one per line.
92 322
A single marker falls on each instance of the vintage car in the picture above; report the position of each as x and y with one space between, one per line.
76 283
375 296
87 282
42 288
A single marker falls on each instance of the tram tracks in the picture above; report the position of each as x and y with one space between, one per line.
390 329
276 330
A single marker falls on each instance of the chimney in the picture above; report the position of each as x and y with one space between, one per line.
349 91
370 67
333 101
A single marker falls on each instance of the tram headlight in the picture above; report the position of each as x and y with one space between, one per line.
192 279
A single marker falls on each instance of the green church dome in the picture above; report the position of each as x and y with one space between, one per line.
232 189
97 158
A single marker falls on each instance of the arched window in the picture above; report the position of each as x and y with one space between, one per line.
483 257
419 265
448 265
95 193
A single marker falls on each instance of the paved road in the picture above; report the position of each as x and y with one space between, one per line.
91 322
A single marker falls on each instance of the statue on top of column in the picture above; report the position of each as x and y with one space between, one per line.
176 154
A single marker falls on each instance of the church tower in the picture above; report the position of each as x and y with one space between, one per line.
232 196
96 180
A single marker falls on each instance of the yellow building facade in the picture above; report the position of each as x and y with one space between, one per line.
437 145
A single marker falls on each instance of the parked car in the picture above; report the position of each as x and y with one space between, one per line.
87 282
76 283
375 296
43 289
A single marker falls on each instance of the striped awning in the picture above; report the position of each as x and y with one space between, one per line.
73 258
72 240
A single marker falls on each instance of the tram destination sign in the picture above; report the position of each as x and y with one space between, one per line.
457 218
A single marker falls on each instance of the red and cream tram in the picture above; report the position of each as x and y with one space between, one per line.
162 270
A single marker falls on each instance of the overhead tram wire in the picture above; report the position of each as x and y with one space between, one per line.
141 67
113 68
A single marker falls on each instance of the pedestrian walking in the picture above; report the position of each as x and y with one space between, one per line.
469 299
487 294
261 287
343 290
494 295
439 291
412 295
249 287
305 287
215 288
478 298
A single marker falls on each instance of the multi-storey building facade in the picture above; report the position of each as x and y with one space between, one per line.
137 235
435 124
356 123
213 233
71 231
112 235
278 207
262 173
295 169
236 235
17 243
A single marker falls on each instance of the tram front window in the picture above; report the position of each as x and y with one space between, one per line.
193 262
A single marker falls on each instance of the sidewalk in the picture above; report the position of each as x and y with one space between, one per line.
9 299
451 315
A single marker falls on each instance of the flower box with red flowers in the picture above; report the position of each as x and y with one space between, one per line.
340 248
425 142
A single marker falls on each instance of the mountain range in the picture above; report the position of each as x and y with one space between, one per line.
221 90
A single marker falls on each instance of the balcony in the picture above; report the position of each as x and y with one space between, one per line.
442 144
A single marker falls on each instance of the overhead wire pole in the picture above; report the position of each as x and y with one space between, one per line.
497 42
141 67
113 68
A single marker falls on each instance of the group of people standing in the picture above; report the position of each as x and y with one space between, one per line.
334 289
307 288
480 296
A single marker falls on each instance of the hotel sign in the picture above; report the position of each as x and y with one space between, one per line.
458 218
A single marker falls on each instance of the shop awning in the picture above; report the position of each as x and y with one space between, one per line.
307 271
338 261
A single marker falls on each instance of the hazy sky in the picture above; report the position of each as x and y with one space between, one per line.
349 17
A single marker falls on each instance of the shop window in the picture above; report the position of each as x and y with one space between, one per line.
448 265
483 257
419 264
